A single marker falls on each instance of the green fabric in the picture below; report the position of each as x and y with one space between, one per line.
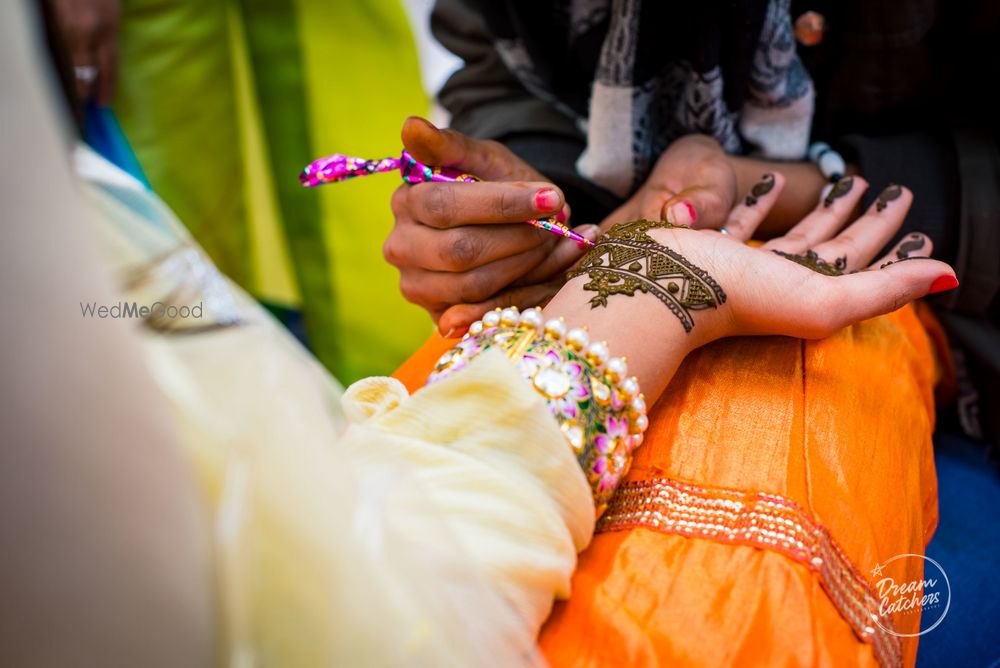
324 77
364 81
273 44
179 111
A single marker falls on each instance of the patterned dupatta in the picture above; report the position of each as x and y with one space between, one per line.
637 75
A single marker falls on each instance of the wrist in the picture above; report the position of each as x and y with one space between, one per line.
652 347
654 326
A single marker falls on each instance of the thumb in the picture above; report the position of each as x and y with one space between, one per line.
428 144
879 291
439 148
866 294
699 207
488 160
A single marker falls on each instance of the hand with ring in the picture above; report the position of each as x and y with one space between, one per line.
823 275
88 29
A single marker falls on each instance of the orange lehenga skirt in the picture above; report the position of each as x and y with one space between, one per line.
776 474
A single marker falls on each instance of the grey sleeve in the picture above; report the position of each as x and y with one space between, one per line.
484 97
487 101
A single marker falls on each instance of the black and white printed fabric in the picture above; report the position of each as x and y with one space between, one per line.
637 75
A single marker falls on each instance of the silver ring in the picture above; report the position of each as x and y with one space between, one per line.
85 73
723 230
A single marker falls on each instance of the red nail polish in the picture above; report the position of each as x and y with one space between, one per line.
546 199
682 213
561 216
691 211
942 283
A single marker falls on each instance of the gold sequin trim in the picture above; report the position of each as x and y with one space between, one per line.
766 521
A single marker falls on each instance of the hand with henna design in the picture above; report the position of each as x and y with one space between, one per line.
764 292
693 183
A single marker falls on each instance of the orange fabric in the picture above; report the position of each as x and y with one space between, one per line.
414 371
841 426
946 386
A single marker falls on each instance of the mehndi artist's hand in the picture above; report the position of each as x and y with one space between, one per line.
462 243
825 279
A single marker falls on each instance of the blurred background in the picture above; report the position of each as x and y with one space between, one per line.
223 102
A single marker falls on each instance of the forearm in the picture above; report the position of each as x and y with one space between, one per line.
639 329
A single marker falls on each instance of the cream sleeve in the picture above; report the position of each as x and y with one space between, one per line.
435 530
494 463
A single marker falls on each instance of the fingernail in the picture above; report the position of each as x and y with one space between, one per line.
682 213
942 283
448 334
546 199
426 122
562 216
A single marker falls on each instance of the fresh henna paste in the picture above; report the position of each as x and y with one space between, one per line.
627 260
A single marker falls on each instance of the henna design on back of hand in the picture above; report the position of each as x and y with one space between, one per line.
627 260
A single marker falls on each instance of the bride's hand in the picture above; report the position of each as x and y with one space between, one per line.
710 284
822 276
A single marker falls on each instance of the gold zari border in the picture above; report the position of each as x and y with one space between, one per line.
766 521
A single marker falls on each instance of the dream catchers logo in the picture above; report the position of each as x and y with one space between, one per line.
928 596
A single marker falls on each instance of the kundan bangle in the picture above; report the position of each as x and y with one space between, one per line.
600 410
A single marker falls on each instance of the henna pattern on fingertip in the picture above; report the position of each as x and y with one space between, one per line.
914 243
761 188
627 260
892 192
839 189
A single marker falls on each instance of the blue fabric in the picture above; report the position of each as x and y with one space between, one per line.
967 545
102 133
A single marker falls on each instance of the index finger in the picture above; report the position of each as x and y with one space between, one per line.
445 205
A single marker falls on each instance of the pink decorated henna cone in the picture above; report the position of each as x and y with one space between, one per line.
338 167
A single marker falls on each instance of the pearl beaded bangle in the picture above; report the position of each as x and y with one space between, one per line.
600 409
